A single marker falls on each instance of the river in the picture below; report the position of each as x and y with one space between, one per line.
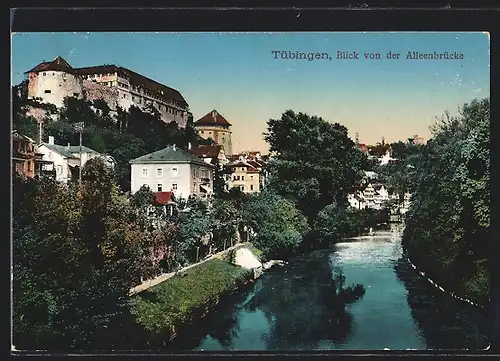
287 308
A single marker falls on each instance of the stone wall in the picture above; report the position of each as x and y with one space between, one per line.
94 91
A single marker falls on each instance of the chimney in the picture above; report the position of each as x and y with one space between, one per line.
189 146
174 147
51 140
67 147
214 114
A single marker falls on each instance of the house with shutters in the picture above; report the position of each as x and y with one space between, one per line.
175 170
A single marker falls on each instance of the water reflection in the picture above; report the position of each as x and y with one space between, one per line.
445 322
297 307
299 320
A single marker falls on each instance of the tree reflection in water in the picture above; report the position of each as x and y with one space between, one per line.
461 325
304 304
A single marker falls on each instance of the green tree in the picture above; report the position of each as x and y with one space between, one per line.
278 225
316 163
331 223
448 222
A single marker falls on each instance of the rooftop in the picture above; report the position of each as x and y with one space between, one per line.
170 154
213 118
68 151
207 151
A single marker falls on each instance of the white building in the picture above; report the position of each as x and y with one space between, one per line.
54 80
172 169
373 196
65 159
386 158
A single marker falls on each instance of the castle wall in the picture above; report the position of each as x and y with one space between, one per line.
53 86
94 91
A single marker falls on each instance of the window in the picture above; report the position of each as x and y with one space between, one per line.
251 187
174 171
44 74
47 91
159 172
144 172
159 187
174 186
251 177
29 166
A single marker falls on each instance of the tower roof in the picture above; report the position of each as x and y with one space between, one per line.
213 118
58 64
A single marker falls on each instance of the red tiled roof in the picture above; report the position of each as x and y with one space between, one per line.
213 118
207 151
164 197
58 64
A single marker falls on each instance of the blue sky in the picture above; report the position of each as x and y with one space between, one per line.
237 74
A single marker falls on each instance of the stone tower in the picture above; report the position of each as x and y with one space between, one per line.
214 125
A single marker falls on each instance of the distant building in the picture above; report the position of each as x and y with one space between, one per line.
26 157
247 172
213 125
172 170
211 154
386 158
416 140
363 148
54 80
65 159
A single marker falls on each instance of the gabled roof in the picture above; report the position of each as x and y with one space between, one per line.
58 64
60 149
170 154
213 118
240 163
207 151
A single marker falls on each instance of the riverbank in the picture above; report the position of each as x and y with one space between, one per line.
165 276
174 303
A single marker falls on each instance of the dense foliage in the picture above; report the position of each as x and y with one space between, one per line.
447 228
315 162
77 251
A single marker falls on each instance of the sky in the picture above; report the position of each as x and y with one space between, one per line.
237 74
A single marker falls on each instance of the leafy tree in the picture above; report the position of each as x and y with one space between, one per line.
331 224
226 219
279 226
194 225
316 163
448 222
